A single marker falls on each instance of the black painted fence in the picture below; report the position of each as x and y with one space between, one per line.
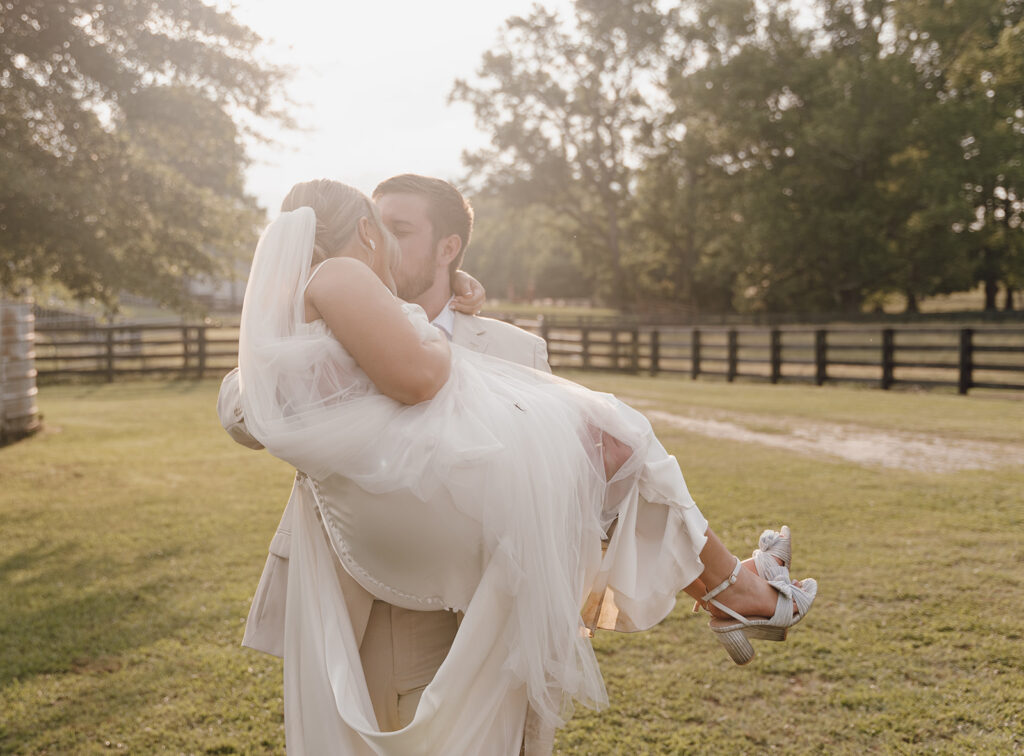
989 357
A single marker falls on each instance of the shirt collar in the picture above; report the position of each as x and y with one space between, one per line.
445 320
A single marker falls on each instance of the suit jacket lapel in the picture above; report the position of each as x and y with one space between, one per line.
469 332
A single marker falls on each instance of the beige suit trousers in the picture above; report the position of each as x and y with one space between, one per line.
401 651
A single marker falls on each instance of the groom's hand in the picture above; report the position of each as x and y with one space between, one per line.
229 410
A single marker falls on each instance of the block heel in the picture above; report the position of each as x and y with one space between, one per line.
766 632
736 633
736 644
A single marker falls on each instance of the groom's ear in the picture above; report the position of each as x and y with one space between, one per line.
450 246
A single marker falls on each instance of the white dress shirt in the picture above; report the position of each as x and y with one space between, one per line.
445 319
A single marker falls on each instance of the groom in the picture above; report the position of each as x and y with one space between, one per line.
400 649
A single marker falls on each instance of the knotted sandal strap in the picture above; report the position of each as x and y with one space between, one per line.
773 545
790 594
784 606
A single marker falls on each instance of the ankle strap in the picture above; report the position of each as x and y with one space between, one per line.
725 583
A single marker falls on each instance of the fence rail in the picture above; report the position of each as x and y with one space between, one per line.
989 357
111 351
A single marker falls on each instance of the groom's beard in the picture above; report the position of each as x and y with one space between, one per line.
412 283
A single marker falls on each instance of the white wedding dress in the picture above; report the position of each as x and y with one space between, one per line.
489 499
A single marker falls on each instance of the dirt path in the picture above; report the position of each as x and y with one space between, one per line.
866 446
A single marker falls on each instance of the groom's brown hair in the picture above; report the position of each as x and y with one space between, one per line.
449 212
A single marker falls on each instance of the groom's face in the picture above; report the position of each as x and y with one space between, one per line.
405 215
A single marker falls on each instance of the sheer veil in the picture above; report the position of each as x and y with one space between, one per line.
297 382
271 312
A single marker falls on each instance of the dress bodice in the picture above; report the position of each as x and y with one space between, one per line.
433 560
423 555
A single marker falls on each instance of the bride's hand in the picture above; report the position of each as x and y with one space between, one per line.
470 294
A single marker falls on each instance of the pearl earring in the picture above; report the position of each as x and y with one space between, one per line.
373 245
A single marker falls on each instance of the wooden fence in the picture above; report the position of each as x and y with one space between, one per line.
989 357
108 352
963 358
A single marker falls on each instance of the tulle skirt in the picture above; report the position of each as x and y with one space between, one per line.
491 500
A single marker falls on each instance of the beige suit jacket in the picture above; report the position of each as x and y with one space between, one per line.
264 629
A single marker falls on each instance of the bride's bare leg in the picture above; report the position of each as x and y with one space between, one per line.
749 589
615 454
697 590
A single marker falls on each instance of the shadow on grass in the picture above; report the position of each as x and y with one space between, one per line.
100 389
191 385
64 615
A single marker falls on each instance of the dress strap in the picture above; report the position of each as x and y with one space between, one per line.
313 273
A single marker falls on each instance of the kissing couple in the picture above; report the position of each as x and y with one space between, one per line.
462 520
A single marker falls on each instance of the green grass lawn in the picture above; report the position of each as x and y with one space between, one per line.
133 532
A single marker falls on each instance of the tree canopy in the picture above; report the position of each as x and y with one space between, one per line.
566 106
750 156
122 150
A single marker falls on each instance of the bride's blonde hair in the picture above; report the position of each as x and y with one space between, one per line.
338 208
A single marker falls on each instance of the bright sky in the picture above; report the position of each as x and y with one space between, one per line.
372 79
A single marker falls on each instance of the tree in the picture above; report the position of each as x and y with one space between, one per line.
696 241
973 55
519 252
738 154
565 105
684 249
123 165
825 141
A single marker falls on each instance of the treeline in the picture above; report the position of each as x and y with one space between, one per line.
121 143
733 155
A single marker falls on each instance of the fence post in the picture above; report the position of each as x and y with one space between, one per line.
731 373
887 358
655 351
634 352
585 342
776 354
543 327
695 353
820 356
202 350
110 355
184 350
966 360
615 348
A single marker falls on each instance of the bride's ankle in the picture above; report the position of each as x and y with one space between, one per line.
750 595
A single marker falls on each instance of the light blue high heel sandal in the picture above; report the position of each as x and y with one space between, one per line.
736 633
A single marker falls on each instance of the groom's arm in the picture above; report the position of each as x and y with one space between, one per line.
540 356
229 409
501 339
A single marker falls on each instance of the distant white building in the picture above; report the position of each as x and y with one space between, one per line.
221 293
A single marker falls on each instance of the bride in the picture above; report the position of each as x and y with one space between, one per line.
511 496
